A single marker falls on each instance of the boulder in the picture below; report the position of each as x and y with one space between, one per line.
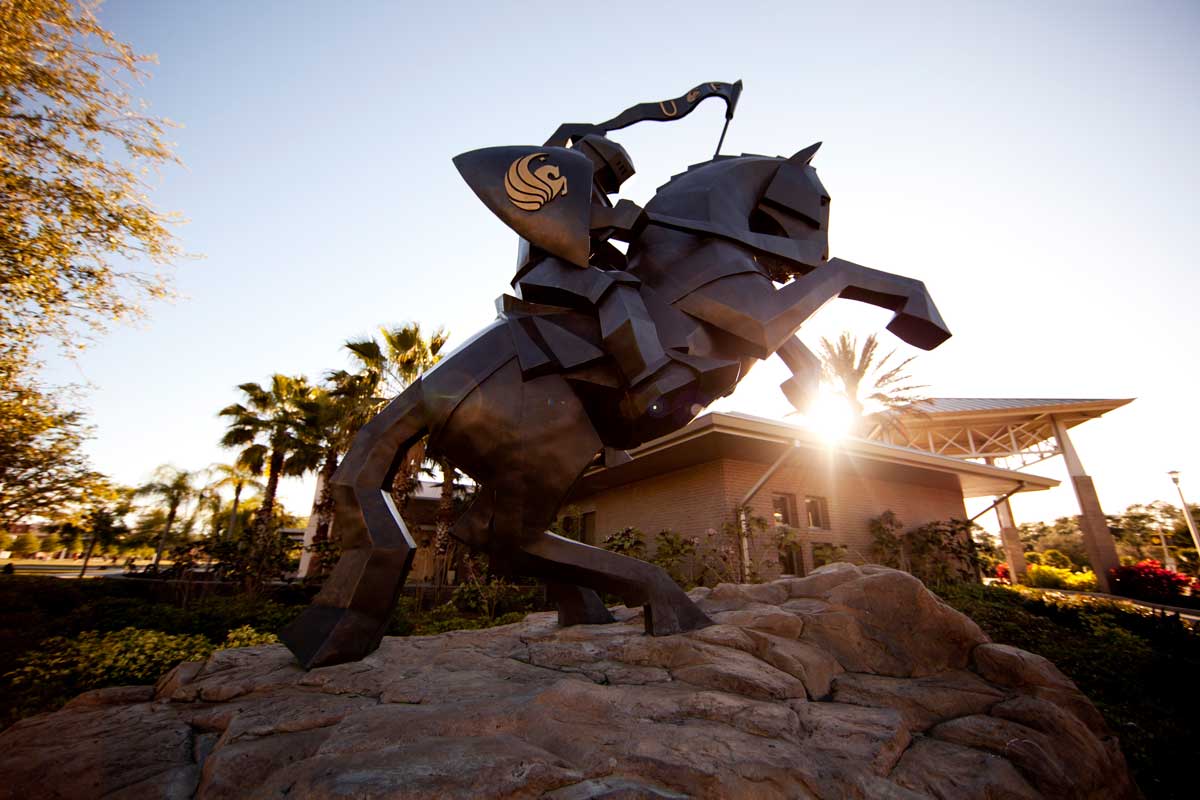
849 683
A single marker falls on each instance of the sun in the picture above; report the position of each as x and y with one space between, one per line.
830 417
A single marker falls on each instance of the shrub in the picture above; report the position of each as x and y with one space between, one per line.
1057 558
887 544
827 553
718 557
627 542
1042 576
1130 661
1002 573
938 552
1084 581
25 545
61 668
942 552
246 636
672 552
1149 580
1033 557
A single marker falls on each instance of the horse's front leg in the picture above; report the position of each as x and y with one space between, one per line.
800 389
917 320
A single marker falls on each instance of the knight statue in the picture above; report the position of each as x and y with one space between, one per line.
598 351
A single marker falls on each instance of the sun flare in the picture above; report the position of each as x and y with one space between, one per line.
830 417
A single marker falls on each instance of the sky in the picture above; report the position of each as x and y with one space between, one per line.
1034 164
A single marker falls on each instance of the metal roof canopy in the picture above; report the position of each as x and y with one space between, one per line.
748 438
1014 431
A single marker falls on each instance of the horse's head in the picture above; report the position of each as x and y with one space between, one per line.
776 207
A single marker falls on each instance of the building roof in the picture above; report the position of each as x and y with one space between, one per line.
1018 428
961 405
748 438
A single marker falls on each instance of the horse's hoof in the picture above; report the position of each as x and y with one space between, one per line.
675 616
579 606
325 635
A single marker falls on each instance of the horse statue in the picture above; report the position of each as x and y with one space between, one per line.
723 265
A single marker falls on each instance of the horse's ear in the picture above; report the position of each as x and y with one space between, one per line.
804 156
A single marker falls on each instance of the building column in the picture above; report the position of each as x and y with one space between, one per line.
1010 537
1101 549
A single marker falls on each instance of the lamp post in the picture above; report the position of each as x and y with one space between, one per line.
1187 514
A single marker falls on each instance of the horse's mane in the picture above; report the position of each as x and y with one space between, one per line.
710 190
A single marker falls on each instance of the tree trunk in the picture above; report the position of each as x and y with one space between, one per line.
262 519
260 546
233 515
320 523
162 539
405 481
88 555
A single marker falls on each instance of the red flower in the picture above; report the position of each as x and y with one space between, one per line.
1148 580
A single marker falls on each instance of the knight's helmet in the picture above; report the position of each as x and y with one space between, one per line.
612 163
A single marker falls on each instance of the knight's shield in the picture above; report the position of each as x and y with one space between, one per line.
542 193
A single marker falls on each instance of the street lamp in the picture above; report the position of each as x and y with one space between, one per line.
1187 514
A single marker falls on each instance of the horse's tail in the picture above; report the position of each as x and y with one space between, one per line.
349 616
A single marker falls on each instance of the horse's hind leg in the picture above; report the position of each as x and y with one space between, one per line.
556 447
667 608
350 615
577 605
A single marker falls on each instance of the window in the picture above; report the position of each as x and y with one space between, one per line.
784 508
817 510
580 527
792 560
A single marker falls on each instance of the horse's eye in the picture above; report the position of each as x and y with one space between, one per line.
762 222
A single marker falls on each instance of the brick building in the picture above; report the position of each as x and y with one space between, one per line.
693 482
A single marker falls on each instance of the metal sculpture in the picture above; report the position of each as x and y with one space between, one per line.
598 352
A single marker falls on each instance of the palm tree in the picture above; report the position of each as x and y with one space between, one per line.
105 521
868 384
238 477
269 426
174 487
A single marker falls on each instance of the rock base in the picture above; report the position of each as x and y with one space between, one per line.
852 682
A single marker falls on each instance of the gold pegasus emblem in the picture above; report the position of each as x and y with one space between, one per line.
528 189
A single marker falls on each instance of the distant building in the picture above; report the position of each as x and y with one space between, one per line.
693 482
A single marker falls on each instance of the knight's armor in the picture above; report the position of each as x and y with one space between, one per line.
626 328
557 200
